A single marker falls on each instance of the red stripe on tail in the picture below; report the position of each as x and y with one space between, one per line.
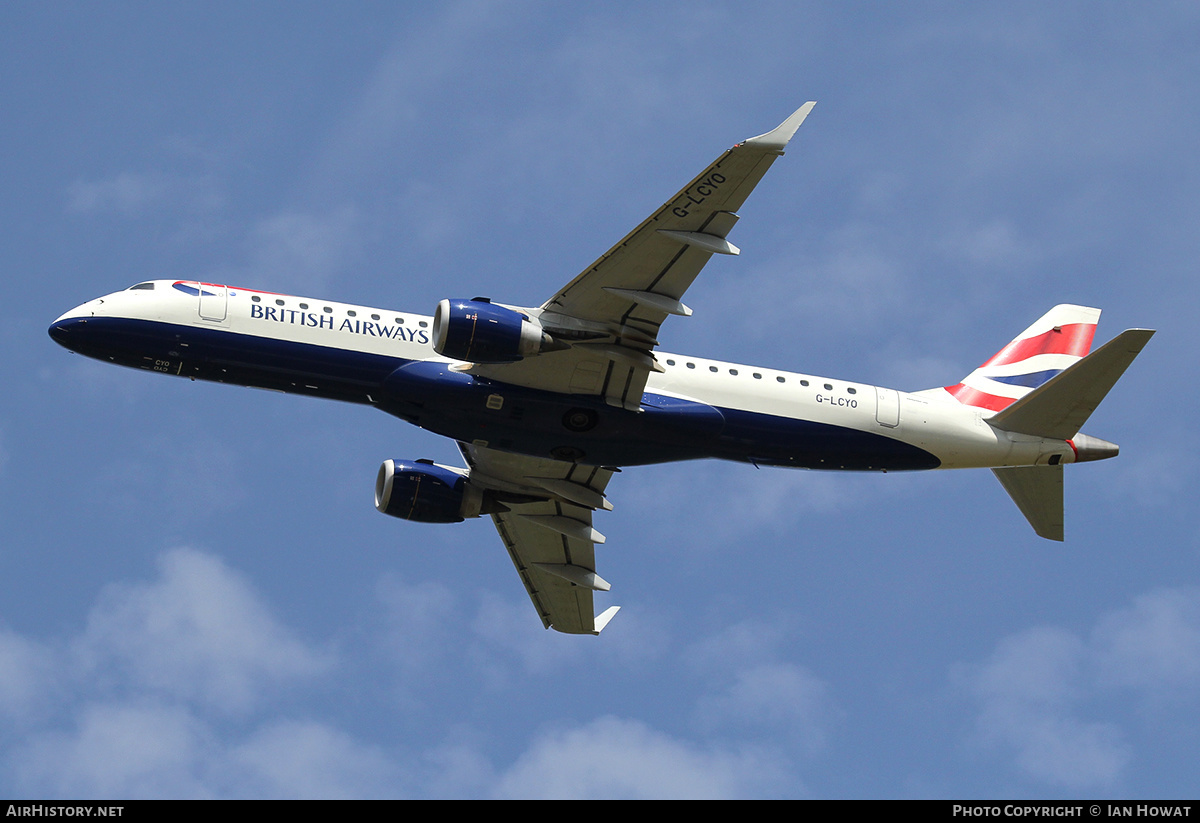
1073 338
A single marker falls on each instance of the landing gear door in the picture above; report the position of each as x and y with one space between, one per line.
887 409
213 301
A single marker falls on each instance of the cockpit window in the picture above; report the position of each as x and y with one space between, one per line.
146 286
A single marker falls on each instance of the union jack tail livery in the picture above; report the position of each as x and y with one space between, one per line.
1060 338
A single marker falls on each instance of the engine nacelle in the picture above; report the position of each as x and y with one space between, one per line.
482 332
422 491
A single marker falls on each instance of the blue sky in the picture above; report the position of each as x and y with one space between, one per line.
198 599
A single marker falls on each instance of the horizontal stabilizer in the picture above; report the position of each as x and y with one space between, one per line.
1038 493
1059 407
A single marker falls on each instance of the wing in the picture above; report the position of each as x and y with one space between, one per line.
545 521
612 311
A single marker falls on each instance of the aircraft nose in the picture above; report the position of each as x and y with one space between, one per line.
68 331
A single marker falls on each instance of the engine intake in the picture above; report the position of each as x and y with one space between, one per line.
421 491
482 332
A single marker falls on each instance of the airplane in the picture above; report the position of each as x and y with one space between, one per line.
547 403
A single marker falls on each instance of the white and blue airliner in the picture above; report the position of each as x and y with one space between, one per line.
546 403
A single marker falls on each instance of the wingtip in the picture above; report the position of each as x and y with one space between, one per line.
777 138
602 619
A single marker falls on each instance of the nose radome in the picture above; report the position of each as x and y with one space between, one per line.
66 329
70 327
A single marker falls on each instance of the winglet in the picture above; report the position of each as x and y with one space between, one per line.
777 139
602 619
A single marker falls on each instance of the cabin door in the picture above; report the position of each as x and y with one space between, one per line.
887 408
213 301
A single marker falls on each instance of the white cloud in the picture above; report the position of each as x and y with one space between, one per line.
1154 645
1027 692
781 698
156 749
1040 665
1063 751
145 749
135 192
25 674
124 192
511 644
141 701
414 637
199 632
753 688
165 694
996 244
303 250
1034 692
307 760
616 758
414 612
457 769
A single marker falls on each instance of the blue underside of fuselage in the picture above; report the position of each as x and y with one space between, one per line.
500 415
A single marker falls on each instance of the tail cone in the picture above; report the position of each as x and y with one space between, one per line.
1093 448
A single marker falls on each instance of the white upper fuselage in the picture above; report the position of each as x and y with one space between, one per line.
958 436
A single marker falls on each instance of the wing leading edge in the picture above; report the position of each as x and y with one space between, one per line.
611 312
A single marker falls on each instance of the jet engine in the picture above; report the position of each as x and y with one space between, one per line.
424 491
481 332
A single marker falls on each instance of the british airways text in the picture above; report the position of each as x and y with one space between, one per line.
325 321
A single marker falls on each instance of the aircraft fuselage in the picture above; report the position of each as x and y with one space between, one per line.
695 408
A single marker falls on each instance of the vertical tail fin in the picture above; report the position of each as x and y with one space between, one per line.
1060 338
